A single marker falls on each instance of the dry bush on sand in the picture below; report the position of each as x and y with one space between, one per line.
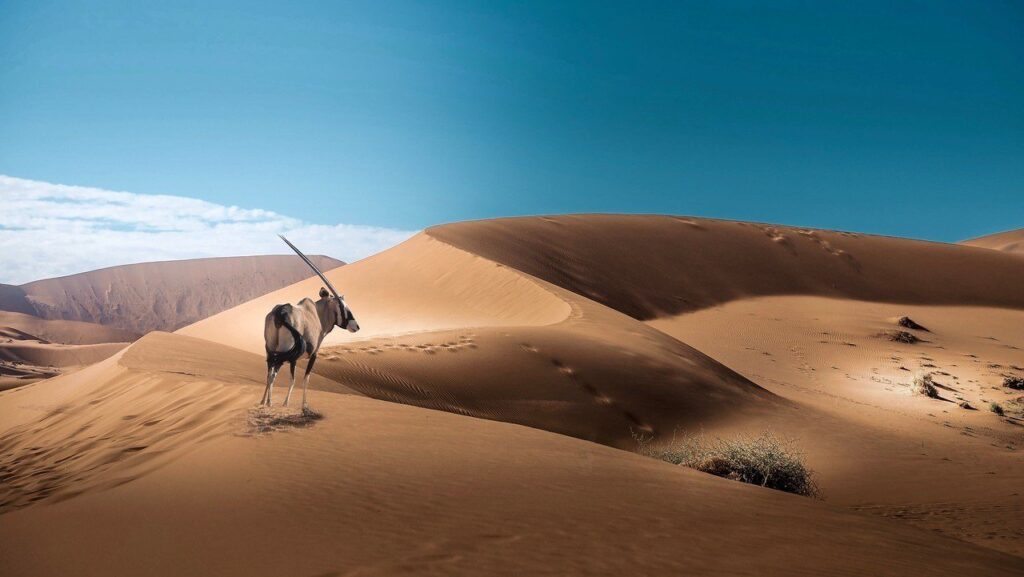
996 408
924 386
1013 382
902 337
766 460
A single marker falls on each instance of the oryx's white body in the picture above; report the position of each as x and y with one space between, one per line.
291 331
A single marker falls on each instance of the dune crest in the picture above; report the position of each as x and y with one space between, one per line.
653 266
1011 241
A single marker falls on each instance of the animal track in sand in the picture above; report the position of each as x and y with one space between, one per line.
778 237
599 398
462 342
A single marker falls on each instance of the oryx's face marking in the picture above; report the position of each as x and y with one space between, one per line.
346 319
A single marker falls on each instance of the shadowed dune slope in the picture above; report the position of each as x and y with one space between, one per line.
158 295
1011 241
12 298
66 332
446 329
152 450
652 266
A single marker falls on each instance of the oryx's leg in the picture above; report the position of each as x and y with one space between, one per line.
272 369
289 395
305 380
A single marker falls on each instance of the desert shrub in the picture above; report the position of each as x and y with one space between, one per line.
1013 382
923 385
996 408
766 460
902 337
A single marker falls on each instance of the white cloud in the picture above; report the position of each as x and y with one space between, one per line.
49 230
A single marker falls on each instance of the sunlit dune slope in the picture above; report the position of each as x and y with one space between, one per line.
111 422
152 450
157 295
420 285
651 266
1011 241
38 353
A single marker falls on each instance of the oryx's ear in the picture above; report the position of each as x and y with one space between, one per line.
323 293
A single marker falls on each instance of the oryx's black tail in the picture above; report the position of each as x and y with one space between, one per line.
282 318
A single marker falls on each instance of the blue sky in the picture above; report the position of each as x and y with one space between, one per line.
902 118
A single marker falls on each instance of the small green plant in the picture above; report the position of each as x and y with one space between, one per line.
996 408
765 460
923 385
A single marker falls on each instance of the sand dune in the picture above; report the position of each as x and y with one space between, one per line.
888 451
719 328
155 442
53 355
66 332
652 266
588 371
26 357
420 285
157 295
457 332
1011 241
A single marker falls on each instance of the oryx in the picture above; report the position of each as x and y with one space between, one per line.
293 330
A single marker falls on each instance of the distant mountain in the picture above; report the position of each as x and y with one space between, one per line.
12 298
158 295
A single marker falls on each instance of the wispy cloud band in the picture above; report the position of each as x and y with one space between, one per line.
49 230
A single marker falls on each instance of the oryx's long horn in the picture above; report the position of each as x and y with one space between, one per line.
311 265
